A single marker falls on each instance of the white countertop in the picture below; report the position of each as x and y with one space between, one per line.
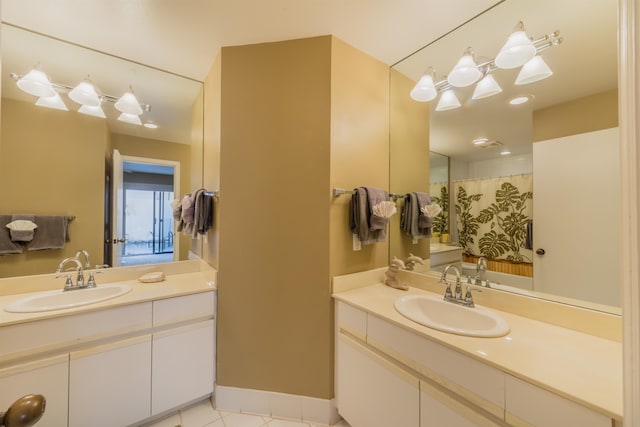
581 367
174 285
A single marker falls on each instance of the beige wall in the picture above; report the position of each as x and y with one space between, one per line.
409 158
52 163
296 118
594 112
211 155
359 148
150 148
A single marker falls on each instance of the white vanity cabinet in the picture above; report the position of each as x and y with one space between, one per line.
109 385
48 377
372 391
387 375
113 366
183 366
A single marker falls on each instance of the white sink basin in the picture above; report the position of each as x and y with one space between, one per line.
56 300
445 316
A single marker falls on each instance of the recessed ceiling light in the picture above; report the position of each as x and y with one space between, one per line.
520 100
505 152
151 125
480 141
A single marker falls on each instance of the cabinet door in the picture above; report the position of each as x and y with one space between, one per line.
48 377
110 385
524 403
373 392
439 408
183 365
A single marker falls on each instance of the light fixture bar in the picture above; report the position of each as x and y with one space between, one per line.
63 88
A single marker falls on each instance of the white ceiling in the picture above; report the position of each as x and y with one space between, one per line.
184 36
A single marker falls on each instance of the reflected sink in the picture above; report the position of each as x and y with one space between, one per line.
435 313
56 300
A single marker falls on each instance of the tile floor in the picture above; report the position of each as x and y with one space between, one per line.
203 414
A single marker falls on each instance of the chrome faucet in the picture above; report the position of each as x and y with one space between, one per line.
456 296
481 269
79 278
87 263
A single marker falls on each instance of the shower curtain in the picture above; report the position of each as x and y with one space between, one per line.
492 216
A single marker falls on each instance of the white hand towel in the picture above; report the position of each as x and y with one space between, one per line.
431 211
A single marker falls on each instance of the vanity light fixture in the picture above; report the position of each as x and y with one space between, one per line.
466 72
517 50
85 94
89 110
54 102
534 70
425 90
128 103
36 83
486 87
448 101
133 119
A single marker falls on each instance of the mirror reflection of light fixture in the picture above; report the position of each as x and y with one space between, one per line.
36 83
128 103
133 119
92 111
425 90
448 101
486 87
517 50
85 94
534 70
466 72
520 99
151 125
54 102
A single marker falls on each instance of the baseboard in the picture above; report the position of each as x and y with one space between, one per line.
277 405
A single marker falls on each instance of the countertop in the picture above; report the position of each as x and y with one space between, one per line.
578 366
174 285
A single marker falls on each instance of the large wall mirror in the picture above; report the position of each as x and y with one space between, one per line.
534 186
59 162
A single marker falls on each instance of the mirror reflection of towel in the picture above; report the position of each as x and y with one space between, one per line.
6 245
24 234
52 233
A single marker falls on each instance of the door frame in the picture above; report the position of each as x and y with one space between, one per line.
176 192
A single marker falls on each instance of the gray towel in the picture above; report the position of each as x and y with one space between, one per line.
410 218
6 245
52 233
359 215
423 200
22 235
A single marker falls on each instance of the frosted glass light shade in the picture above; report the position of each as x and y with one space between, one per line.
92 111
486 87
54 102
85 94
424 90
128 103
516 51
534 70
36 83
448 101
130 118
465 73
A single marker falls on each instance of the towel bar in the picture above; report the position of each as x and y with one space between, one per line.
340 191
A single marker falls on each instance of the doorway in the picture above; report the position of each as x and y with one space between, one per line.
143 212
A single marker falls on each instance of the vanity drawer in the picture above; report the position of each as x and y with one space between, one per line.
471 379
528 405
351 320
58 332
188 307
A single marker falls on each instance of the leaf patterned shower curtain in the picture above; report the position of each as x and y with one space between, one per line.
492 216
439 192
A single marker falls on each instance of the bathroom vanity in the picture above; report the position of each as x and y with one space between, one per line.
117 362
393 371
